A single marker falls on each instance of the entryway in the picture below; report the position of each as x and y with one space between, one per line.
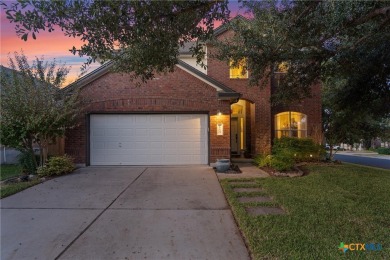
241 124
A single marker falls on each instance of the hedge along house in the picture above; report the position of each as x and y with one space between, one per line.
190 116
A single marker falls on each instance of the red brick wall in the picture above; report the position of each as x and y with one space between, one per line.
259 95
312 108
175 92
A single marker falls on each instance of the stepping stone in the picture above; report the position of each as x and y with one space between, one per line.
247 189
258 211
255 199
242 182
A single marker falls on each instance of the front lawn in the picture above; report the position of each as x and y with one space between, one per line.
9 170
333 204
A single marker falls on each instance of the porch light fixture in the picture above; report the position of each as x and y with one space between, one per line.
219 113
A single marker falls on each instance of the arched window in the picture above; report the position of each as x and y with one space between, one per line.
292 124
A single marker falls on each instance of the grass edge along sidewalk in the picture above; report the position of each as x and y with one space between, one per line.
332 205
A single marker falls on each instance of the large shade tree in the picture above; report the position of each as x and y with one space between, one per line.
141 36
33 107
316 40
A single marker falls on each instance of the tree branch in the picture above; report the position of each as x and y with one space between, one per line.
381 11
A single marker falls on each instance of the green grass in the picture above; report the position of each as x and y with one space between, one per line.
333 204
8 171
10 189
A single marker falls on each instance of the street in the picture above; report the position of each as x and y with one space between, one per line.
364 160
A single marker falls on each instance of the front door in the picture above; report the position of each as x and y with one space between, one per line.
234 135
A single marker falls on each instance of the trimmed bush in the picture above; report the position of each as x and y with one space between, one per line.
57 165
262 160
287 151
280 162
300 149
383 150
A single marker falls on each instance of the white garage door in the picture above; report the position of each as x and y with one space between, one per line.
155 139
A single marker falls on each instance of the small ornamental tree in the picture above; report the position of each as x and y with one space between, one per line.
33 107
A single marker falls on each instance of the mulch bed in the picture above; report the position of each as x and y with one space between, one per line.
300 169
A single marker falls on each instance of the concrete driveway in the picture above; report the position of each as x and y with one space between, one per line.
122 213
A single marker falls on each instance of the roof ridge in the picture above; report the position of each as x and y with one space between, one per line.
206 77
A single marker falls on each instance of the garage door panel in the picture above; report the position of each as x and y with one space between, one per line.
157 139
158 145
126 132
156 119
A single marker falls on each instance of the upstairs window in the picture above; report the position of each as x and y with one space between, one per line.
282 67
291 124
239 71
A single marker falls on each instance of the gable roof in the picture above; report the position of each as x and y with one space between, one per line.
224 92
89 77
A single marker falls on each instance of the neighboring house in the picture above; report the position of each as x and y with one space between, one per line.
190 116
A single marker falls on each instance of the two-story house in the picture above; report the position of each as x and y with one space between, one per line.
190 116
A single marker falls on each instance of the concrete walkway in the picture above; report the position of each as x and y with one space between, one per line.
122 213
248 169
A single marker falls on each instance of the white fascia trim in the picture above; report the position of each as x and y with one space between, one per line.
198 77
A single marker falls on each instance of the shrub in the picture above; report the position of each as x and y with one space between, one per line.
262 160
26 160
280 162
57 165
383 150
300 149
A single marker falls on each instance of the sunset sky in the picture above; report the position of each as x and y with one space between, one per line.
50 45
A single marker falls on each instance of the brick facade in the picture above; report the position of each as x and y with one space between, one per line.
261 125
181 92
177 92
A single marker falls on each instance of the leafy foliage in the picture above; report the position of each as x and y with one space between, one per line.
280 162
301 149
28 161
33 107
57 165
347 119
287 151
383 150
141 36
318 40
